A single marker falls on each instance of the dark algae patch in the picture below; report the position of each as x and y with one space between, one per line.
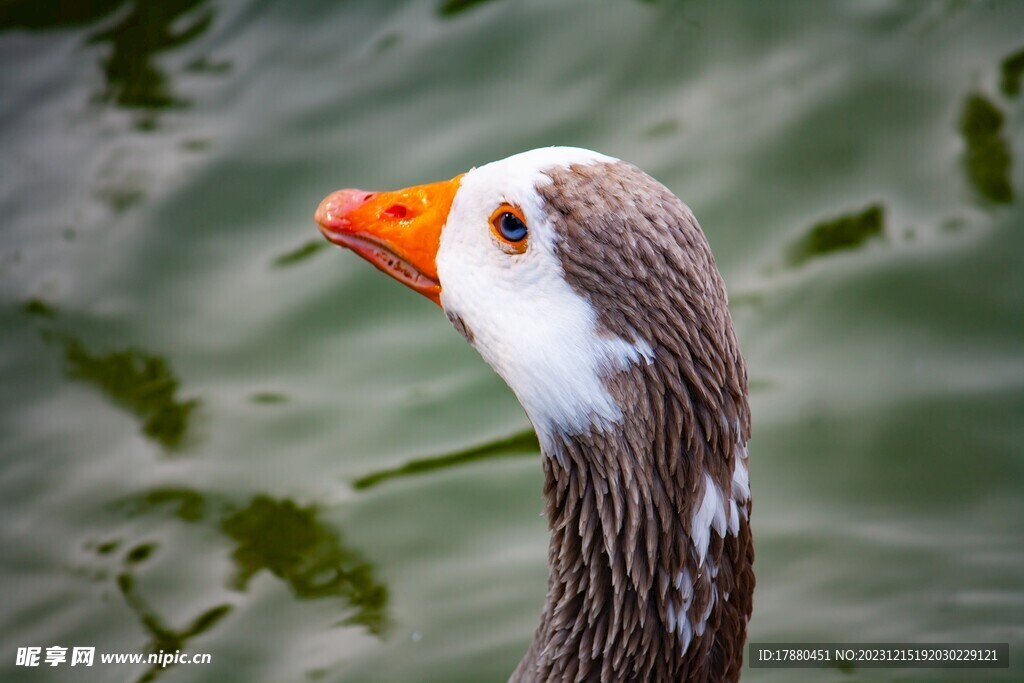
522 443
291 543
38 307
107 547
268 397
135 34
40 15
847 231
165 638
988 157
281 537
134 78
120 199
450 8
161 637
299 254
663 128
185 504
1013 69
140 553
139 382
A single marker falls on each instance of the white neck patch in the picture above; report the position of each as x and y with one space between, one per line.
527 322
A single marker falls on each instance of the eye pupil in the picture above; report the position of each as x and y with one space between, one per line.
511 228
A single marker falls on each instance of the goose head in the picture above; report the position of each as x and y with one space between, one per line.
590 289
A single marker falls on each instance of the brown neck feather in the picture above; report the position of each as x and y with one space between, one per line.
630 597
619 509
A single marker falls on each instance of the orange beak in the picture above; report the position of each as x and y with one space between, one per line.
398 232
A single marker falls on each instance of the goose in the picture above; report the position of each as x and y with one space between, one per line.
590 288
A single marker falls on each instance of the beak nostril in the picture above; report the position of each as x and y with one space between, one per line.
395 211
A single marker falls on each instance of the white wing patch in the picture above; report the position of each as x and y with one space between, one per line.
740 475
712 513
721 515
678 616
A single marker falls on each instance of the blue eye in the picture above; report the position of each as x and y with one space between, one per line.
511 228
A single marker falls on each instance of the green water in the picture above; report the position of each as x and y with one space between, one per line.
220 435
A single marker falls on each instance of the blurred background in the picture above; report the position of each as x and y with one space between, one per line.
221 435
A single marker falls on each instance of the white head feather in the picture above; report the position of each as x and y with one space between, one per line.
526 321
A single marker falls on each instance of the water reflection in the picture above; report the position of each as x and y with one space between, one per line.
38 307
988 153
268 397
185 504
299 253
524 443
1013 69
663 128
847 231
287 540
141 32
450 8
140 382
164 638
147 29
290 542
161 637
38 15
